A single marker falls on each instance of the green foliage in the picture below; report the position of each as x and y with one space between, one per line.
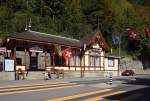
75 18
123 52
145 48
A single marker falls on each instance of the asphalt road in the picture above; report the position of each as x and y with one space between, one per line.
136 95
93 90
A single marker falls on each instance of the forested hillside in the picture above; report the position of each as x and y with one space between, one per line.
75 18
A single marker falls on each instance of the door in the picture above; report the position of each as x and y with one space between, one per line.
33 63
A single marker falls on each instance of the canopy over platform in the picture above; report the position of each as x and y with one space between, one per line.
29 39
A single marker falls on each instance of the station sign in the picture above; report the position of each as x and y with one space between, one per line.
2 49
9 65
36 49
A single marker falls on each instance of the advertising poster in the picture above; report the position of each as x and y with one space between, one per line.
9 65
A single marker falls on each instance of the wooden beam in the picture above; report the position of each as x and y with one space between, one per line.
89 63
81 70
84 64
100 60
25 58
14 55
53 59
45 59
75 62
42 42
94 59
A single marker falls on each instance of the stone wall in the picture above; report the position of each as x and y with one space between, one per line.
136 65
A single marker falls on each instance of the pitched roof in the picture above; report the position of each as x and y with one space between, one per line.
90 39
49 38
46 38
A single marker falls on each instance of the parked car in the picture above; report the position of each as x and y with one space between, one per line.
128 73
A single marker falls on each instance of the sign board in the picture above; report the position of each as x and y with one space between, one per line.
35 49
9 51
2 49
9 65
96 46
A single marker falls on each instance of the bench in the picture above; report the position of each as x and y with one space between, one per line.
20 72
53 71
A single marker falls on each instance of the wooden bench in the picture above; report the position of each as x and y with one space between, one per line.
20 72
58 72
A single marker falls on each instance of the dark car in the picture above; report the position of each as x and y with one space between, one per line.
128 73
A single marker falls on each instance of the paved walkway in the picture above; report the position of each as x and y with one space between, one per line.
22 82
28 82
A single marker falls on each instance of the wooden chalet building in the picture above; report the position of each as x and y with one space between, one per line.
36 52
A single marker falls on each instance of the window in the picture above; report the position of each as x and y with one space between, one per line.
78 60
75 61
9 65
94 58
72 61
91 60
97 60
110 62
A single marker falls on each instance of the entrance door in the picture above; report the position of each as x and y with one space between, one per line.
34 63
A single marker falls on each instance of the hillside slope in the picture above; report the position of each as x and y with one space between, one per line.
75 18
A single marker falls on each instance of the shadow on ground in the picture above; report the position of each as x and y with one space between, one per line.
136 95
137 81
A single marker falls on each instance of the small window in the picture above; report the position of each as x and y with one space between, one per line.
110 62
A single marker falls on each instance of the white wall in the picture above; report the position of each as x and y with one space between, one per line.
102 59
86 58
115 67
41 61
21 54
